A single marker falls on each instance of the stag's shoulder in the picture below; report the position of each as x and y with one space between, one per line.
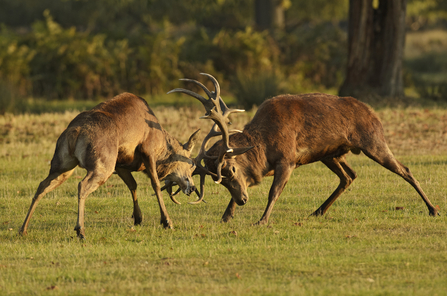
122 101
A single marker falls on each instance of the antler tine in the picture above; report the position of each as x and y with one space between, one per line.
208 105
172 196
168 187
205 89
215 83
202 191
202 153
227 111
217 111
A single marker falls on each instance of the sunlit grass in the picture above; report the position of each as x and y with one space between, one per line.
363 245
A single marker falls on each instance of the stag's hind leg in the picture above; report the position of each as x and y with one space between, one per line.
346 174
127 177
59 173
90 183
382 155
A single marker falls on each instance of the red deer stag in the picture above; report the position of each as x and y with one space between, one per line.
122 135
288 131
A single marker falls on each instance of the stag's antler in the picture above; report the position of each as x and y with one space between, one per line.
217 111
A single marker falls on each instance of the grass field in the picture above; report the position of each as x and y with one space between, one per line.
377 238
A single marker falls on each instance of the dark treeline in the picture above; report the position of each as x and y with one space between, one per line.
58 49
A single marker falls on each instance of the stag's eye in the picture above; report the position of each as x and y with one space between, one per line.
232 171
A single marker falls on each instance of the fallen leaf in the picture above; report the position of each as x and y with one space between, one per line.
298 224
350 236
437 207
233 232
399 208
52 288
238 276
370 280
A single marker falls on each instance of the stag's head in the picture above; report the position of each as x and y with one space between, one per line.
234 176
179 167
220 163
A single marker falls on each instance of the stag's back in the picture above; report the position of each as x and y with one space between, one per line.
118 125
312 126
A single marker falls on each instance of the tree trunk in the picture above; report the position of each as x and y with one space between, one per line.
269 14
376 39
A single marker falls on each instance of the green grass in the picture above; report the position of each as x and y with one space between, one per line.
362 246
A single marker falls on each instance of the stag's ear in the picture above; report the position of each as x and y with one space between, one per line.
238 151
192 140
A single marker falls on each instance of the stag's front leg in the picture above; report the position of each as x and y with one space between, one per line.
152 173
229 212
281 176
127 177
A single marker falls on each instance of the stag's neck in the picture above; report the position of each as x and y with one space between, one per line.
166 160
254 160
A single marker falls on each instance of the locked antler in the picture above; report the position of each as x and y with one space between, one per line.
217 111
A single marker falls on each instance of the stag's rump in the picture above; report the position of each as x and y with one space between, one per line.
311 127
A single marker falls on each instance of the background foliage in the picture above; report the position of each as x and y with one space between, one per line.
81 49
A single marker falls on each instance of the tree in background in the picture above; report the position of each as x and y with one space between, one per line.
376 38
90 49
269 14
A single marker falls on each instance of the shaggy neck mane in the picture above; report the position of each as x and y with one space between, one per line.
253 160
166 161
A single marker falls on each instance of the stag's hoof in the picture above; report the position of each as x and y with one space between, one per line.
434 213
80 232
137 216
260 223
226 218
167 224
137 220
317 213
23 232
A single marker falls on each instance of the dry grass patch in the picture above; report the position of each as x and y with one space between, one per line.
377 238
